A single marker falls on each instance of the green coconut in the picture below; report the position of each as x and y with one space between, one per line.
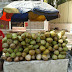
16 42
14 36
34 36
49 40
42 36
5 45
33 42
53 34
9 41
9 35
54 57
13 55
43 42
4 40
47 34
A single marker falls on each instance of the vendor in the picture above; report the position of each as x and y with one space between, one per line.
1 37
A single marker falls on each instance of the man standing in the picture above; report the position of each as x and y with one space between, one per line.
1 37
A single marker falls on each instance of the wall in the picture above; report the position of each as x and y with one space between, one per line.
65 10
35 25
61 26
65 20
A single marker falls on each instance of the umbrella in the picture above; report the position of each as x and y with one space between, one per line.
37 7
19 17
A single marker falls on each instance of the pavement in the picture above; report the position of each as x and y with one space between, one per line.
1 71
69 38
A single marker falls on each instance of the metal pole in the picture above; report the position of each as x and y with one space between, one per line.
30 26
9 25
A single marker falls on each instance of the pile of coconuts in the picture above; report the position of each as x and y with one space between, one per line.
26 46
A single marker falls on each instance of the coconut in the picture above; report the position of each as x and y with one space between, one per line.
13 46
49 40
9 41
9 59
5 45
42 48
56 52
28 57
46 52
32 52
23 54
4 40
53 34
13 55
16 59
45 57
54 57
47 34
38 57
38 51
34 36
43 42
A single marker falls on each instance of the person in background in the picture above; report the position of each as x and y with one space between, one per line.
1 37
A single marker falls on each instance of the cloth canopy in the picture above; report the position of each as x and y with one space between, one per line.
6 16
20 17
20 9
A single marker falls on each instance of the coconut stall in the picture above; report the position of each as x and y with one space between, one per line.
39 52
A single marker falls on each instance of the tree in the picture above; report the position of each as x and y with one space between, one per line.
56 2
51 2
61 1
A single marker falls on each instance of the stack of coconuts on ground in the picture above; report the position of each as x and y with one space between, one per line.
41 46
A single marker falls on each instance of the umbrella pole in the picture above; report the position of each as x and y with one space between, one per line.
30 26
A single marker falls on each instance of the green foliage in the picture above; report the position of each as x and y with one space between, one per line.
58 2
51 2
61 1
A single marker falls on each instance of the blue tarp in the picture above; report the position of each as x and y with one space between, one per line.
24 17
50 13
51 17
19 17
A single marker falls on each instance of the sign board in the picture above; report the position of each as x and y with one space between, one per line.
19 26
16 29
25 24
